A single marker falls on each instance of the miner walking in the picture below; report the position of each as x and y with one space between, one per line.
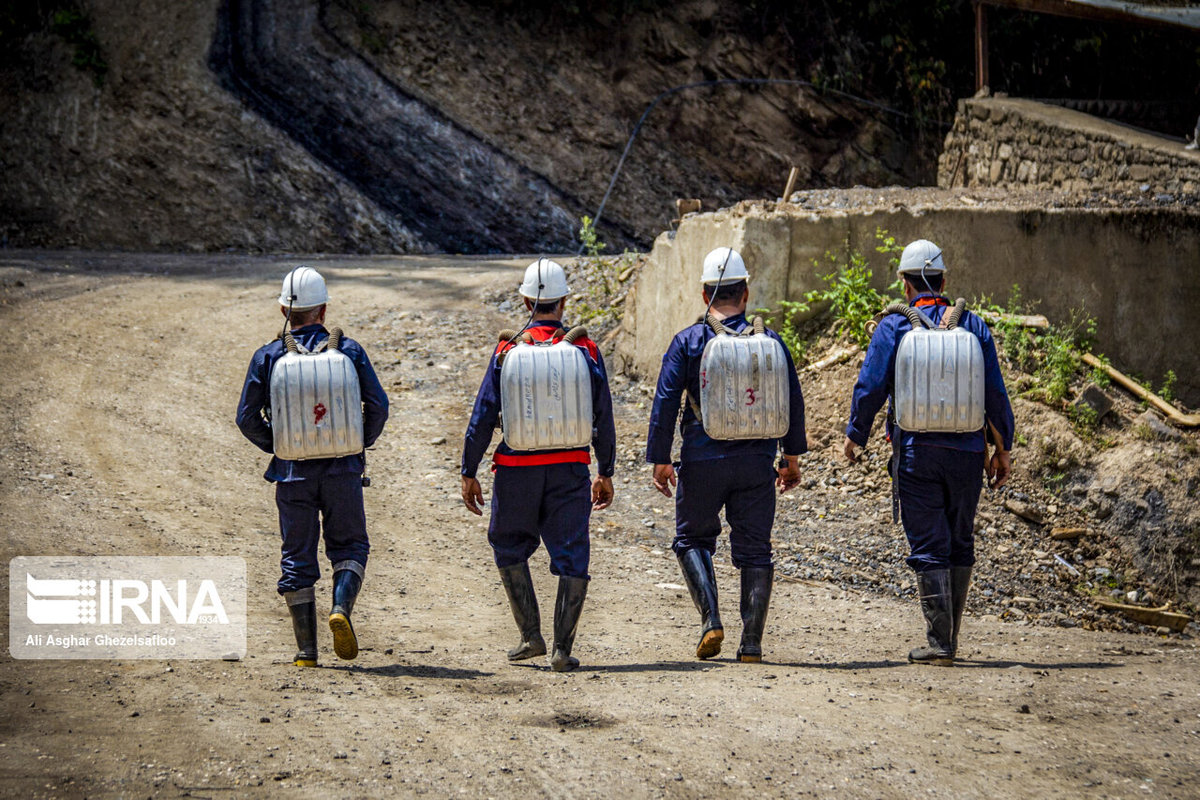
937 363
312 400
550 388
741 400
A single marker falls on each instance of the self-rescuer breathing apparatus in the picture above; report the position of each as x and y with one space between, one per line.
743 377
316 402
938 383
545 386
743 384
545 392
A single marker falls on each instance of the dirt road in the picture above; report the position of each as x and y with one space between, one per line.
121 374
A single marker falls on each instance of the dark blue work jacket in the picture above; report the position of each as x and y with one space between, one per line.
681 370
256 397
486 415
877 376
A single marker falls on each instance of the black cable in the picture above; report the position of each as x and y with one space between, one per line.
287 322
717 288
728 82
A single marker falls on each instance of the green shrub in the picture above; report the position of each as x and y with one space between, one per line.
1084 418
75 28
1167 392
851 297
783 322
888 246
1099 375
588 237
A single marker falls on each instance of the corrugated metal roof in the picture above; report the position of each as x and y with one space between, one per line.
1157 14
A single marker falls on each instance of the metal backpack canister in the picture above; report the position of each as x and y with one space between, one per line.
744 384
316 402
545 393
939 376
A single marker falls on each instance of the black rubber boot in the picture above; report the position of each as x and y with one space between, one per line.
346 583
936 604
756 597
518 585
960 583
302 605
701 581
567 607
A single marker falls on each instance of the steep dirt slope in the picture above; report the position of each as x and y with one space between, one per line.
440 179
402 126
159 156
562 95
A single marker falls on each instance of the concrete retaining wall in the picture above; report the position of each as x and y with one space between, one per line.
1137 271
1010 142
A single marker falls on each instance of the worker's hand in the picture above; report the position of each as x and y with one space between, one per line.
850 448
789 476
664 474
998 468
472 495
602 493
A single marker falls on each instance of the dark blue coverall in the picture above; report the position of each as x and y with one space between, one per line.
941 474
736 475
542 495
327 490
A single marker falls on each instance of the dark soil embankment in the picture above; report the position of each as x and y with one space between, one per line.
293 125
157 156
561 93
444 182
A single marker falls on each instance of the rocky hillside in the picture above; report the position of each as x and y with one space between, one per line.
400 126
155 155
561 93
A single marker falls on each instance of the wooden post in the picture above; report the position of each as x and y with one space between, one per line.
791 184
981 46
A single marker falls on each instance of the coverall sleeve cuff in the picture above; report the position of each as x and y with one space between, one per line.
856 436
658 457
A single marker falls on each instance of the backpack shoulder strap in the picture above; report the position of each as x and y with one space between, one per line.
291 345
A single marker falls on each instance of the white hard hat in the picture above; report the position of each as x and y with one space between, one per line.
922 256
544 280
303 288
725 265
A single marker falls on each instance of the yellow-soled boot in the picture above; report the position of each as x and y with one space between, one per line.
347 580
302 605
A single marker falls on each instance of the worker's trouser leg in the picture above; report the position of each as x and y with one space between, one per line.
939 492
334 504
745 487
550 504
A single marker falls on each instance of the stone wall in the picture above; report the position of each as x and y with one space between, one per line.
1011 142
1064 259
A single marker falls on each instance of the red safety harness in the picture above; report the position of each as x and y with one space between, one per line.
925 302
